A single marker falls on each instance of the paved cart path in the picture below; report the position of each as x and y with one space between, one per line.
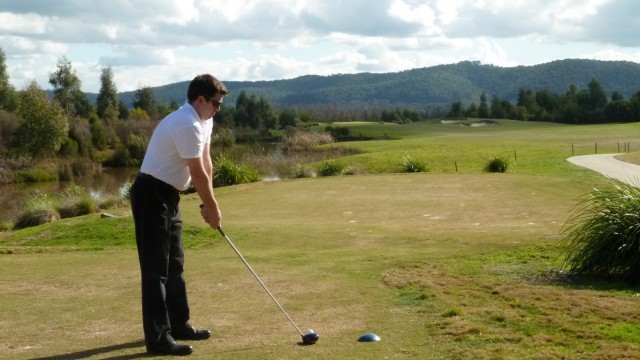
609 166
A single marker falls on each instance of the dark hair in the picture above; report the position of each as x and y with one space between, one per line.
205 85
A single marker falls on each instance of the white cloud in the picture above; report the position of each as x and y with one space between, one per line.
163 41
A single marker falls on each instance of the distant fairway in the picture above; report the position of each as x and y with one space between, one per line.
440 265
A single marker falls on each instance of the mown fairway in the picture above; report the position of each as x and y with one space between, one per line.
440 265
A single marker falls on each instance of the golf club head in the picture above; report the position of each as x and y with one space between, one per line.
310 337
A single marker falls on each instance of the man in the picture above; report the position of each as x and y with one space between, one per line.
178 154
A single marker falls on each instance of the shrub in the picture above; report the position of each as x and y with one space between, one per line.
136 146
339 132
330 167
603 234
5 226
412 165
121 157
68 148
224 137
227 172
8 124
497 165
34 175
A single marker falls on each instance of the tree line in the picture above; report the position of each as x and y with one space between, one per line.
65 125
574 106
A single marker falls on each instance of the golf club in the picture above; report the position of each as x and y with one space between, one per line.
308 338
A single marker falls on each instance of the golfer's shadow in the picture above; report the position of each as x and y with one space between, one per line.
104 351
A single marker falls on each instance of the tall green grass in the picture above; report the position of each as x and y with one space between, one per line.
43 208
603 235
228 172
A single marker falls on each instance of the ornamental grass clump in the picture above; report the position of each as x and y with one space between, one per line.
75 201
38 210
603 234
227 172
497 165
412 165
330 167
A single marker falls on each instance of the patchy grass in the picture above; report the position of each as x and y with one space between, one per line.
440 265
426 261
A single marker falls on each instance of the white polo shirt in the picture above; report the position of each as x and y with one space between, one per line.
178 137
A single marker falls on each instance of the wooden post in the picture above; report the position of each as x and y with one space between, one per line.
596 148
515 155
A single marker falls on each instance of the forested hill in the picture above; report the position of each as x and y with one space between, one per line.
441 84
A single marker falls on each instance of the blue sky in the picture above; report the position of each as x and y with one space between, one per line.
152 43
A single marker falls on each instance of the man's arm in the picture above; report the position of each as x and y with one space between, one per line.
201 178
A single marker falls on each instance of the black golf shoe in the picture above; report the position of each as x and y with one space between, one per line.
188 332
169 347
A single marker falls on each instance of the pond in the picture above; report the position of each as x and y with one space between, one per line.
13 196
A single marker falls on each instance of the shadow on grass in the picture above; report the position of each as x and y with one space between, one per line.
102 351
577 281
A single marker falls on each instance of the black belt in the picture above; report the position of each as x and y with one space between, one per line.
157 182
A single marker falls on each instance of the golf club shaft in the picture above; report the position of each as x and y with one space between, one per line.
258 278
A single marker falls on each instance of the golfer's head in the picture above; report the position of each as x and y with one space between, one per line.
207 86
205 94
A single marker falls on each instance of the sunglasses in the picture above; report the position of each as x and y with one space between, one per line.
214 102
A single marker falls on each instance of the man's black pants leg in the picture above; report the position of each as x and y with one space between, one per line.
158 223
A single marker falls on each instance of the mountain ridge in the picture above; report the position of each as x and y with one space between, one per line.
424 87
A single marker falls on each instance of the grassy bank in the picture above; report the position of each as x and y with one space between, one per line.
534 148
439 265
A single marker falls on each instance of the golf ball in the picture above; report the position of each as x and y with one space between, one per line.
309 331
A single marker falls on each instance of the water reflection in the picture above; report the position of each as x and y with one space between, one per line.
13 196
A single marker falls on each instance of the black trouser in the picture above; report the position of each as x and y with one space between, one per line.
158 222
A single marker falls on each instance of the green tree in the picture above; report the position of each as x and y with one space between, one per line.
456 110
242 110
267 118
527 99
255 113
67 90
483 109
547 100
497 112
107 103
8 96
472 111
44 125
225 117
288 117
145 99
619 111
597 95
